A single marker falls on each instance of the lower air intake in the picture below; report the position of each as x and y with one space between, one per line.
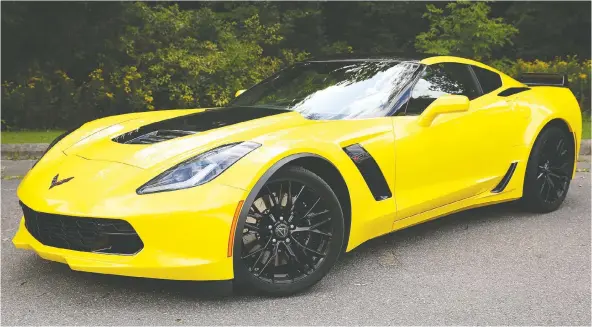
98 235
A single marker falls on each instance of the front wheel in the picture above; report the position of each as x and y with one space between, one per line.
292 234
549 170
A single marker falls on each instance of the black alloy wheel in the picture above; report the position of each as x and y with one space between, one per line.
549 170
291 235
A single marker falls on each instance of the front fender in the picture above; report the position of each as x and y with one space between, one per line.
369 217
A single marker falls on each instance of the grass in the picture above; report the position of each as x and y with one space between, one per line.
586 128
29 137
48 136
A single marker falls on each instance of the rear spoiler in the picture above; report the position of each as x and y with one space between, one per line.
543 79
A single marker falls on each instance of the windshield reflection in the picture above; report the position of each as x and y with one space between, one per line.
333 90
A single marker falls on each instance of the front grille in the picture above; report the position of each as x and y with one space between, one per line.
99 235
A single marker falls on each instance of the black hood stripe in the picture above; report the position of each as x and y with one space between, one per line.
194 123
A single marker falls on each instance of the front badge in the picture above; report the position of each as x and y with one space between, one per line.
56 181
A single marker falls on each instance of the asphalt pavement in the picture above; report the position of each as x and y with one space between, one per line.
494 266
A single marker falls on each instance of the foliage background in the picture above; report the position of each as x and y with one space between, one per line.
64 63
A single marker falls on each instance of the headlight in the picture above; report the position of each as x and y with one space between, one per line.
200 169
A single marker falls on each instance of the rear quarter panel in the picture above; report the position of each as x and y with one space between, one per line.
542 104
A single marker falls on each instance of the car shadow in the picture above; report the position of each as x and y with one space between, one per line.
191 290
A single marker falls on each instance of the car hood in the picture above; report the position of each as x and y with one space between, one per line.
150 140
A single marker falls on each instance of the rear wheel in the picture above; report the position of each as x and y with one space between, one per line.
549 170
291 236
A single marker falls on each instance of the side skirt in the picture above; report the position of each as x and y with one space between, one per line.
482 200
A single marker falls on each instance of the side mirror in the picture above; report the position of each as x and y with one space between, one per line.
239 92
445 104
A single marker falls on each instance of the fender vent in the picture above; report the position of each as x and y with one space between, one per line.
506 179
370 171
512 91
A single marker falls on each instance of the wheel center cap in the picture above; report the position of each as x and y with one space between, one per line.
281 230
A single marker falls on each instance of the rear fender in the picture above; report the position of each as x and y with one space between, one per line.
546 104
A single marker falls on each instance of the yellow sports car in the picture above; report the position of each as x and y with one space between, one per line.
312 161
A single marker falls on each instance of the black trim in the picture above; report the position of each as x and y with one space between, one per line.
506 179
544 79
97 235
370 171
193 123
512 90
476 81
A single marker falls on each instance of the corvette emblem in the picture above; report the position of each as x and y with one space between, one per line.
281 230
55 181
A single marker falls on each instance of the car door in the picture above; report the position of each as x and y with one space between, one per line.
446 161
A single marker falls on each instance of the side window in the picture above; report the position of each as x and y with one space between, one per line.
489 80
438 80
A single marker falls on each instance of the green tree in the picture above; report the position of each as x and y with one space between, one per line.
464 29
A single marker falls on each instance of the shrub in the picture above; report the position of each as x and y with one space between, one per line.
165 58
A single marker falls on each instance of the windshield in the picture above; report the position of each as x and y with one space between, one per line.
333 90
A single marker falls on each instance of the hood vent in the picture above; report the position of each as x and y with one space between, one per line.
193 123
151 137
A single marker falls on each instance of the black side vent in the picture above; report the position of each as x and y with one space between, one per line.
151 137
506 179
370 171
512 91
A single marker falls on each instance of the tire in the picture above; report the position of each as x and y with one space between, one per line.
549 170
290 253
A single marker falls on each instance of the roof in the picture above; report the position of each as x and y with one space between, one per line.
392 56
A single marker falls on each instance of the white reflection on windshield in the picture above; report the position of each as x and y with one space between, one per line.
334 90
357 97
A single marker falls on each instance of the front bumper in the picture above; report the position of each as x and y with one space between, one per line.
184 238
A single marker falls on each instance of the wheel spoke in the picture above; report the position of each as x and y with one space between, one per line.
253 253
312 207
550 182
543 186
271 197
310 230
275 253
296 198
560 149
304 247
280 195
283 251
548 189
301 266
561 170
289 195
320 223
256 210
257 251
251 226
318 214
266 199
257 216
